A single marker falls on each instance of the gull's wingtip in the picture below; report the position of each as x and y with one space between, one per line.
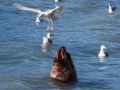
16 5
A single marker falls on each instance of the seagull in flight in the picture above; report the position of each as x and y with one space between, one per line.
47 39
48 14
111 8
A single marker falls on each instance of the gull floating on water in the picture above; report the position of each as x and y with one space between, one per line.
111 8
48 14
47 39
57 1
102 52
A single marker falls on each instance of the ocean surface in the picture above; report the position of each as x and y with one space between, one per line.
82 27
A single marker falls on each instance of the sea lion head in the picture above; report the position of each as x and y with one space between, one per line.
63 68
61 53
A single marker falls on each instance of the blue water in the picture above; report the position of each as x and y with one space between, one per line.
82 28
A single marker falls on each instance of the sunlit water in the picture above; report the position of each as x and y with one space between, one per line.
84 26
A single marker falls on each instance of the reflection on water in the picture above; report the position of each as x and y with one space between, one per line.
102 68
59 85
37 23
45 47
102 59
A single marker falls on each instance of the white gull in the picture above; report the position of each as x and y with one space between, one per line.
111 8
102 52
57 1
47 39
48 14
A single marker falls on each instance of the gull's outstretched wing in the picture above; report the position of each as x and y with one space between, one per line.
26 8
59 9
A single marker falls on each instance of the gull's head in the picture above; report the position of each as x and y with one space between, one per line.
103 47
56 1
49 34
109 4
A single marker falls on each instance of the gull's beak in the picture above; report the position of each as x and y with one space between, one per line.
51 34
105 48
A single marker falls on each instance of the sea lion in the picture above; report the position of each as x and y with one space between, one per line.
63 68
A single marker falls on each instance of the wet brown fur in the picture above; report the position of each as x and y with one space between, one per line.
63 68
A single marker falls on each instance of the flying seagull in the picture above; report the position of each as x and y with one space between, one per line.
47 39
111 8
48 14
102 52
